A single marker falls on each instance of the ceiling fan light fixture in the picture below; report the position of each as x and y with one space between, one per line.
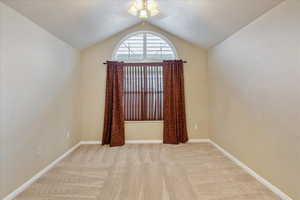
133 10
144 8
143 14
154 12
139 4
151 4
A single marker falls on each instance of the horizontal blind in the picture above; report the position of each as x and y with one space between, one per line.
144 46
132 48
143 92
157 48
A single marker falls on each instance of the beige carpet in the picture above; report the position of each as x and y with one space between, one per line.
147 172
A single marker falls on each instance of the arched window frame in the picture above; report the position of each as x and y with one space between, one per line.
144 59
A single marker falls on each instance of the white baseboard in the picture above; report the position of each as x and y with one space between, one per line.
90 142
20 189
127 142
269 185
199 141
160 141
147 141
143 141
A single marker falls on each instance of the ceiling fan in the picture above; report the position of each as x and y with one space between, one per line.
144 9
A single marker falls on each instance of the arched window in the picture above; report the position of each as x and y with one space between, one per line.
144 46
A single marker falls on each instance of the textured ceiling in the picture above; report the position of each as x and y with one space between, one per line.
85 22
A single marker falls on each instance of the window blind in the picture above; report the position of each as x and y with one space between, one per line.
144 46
132 48
143 91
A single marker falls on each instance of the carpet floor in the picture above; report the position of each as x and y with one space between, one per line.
147 172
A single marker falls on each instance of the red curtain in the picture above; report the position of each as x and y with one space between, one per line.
113 131
175 130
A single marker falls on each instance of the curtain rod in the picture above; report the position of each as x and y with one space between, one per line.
105 63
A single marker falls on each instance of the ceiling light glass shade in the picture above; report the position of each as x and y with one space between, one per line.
139 4
143 14
144 8
154 12
151 4
133 10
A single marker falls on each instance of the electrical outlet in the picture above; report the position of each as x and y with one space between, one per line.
38 151
68 134
196 127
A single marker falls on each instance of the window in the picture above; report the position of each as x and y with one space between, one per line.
144 46
143 82
143 91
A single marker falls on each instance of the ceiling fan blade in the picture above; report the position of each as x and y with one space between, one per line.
160 16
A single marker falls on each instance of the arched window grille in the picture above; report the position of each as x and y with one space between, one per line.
143 46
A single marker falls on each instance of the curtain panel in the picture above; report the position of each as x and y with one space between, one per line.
113 131
119 83
175 129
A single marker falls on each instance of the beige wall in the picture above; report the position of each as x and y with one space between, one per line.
1 103
39 79
93 87
254 93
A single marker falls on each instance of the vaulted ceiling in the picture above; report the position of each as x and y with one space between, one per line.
84 22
